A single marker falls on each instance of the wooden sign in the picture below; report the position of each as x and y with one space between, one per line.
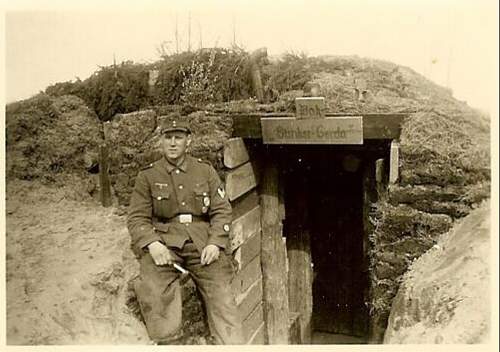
310 107
330 130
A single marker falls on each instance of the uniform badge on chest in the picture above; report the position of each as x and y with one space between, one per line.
206 201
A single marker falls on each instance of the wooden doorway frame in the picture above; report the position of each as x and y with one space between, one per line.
285 310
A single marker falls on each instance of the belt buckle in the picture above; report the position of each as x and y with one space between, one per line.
185 218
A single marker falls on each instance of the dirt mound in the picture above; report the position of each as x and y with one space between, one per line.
444 297
68 263
444 164
443 140
48 136
69 273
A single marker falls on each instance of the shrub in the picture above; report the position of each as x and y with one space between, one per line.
110 90
205 76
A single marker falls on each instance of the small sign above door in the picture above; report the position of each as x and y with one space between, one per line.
329 130
310 107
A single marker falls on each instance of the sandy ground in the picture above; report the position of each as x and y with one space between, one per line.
67 262
445 296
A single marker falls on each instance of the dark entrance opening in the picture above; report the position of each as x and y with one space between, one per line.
331 210
336 223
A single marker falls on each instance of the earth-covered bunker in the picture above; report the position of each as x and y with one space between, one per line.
444 173
399 206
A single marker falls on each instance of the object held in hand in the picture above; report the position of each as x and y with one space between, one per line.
184 273
180 268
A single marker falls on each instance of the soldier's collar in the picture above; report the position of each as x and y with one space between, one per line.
171 167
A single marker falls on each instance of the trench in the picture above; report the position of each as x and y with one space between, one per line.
332 211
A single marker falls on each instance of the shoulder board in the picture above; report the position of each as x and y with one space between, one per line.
148 166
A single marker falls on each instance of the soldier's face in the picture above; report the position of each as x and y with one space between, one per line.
174 144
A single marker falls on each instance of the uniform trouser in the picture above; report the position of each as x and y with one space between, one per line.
159 295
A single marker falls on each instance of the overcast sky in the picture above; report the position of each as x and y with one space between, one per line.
452 42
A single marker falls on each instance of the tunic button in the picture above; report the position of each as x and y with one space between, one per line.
183 203
181 186
177 171
159 198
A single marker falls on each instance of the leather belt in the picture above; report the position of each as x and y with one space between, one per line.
185 219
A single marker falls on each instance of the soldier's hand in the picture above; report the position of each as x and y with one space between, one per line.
160 253
209 254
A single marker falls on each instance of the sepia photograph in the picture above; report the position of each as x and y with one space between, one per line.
320 173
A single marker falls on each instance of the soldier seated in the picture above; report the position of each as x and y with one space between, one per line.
179 213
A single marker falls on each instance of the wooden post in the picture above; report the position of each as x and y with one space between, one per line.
255 57
105 185
380 176
300 275
394 162
273 257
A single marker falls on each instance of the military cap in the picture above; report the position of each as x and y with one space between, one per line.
175 125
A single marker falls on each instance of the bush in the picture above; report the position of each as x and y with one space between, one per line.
191 79
291 72
205 76
110 90
49 136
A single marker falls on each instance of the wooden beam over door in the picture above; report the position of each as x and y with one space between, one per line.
375 126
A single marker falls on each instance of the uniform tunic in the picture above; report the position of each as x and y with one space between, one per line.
161 194
164 191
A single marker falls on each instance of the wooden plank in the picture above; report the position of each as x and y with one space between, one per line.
245 203
380 176
379 170
247 126
253 322
300 274
248 250
235 152
273 256
244 227
247 276
394 162
248 300
331 130
281 201
258 337
240 180
375 126
382 126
